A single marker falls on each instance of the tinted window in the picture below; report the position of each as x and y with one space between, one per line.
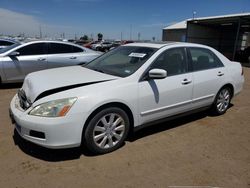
76 49
173 61
57 48
106 43
33 49
5 43
204 59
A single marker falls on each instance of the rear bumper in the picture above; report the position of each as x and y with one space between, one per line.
60 132
239 86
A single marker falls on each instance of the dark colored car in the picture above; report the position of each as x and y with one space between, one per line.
7 42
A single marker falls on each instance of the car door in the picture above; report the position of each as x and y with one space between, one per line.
61 55
30 58
208 76
172 95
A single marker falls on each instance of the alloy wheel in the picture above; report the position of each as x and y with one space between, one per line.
109 130
223 100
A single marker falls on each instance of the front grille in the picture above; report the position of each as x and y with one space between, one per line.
24 102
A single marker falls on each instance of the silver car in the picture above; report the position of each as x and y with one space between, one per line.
18 60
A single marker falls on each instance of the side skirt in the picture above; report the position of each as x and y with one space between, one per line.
139 127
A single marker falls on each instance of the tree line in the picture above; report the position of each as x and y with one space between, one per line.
86 37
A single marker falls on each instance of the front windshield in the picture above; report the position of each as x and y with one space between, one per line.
122 61
2 50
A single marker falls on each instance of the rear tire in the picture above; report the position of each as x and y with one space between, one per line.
222 101
106 131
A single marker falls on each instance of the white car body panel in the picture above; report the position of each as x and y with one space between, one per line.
147 100
159 99
36 83
207 85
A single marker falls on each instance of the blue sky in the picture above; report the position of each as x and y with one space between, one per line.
110 17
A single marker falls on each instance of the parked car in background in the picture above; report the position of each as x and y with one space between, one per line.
128 87
116 44
7 42
89 44
127 42
18 60
103 46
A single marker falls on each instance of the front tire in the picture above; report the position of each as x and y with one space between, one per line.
222 101
106 131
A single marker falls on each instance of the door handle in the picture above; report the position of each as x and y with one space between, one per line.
73 57
186 81
220 73
41 59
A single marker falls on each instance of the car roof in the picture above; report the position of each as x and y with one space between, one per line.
47 41
151 45
163 44
53 41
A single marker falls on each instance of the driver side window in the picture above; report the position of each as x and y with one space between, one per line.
173 61
33 49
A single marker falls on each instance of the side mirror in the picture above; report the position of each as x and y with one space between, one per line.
157 74
14 53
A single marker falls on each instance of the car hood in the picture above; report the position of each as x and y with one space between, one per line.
43 83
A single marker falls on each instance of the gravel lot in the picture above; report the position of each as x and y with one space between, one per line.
198 150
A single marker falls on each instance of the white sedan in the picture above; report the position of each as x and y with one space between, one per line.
134 85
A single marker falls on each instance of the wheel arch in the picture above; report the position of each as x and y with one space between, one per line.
230 86
112 104
214 109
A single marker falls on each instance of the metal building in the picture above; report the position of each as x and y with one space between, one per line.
229 34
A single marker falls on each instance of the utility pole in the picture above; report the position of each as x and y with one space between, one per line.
139 36
130 31
194 13
40 29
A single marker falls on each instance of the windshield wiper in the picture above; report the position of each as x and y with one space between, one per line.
98 70
102 71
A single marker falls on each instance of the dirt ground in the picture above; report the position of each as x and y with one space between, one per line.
198 150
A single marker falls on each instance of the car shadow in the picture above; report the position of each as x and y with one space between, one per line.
166 125
11 86
50 155
171 124
57 155
247 65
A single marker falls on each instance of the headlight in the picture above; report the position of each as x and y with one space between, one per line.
56 108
